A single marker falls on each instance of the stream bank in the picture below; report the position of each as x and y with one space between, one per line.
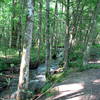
37 80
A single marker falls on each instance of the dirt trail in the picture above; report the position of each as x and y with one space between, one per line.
78 86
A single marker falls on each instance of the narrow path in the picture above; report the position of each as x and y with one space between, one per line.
78 86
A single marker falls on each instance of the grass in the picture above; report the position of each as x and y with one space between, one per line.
96 46
92 66
8 52
9 56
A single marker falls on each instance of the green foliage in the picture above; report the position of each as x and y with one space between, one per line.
8 52
75 58
6 63
96 46
48 94
8 58
3 65
56 76
91 66
1 1
46 87
77 63
34 55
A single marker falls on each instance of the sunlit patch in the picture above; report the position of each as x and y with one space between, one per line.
92 62
75 86
41 77
96 81
92 97
98 61
65 90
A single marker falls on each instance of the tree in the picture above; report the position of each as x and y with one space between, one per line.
47 37
24 68
13 24
91 34
66 41
40 28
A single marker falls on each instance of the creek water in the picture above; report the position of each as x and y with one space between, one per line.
37 78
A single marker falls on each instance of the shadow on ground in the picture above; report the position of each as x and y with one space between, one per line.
78 86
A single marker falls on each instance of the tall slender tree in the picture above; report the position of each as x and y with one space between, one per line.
47 37
91 33
13 24
40 28
24 68
66 41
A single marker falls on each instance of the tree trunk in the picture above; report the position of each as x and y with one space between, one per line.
24 68
91 34
40 29
13 32
66 42
47 38
55 28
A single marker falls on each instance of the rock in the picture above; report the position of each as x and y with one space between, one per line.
36 85
41 78
58 70
13 96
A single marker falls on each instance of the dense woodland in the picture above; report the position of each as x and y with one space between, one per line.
36 32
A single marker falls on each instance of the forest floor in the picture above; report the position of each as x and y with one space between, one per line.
83 85
77 86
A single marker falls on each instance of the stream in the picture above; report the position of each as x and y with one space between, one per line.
37 78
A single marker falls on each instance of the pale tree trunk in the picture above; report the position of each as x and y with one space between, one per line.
94 39
66 41
86 54
76 22
47 38
24 68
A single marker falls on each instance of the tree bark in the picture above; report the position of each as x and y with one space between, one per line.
55 28
24 68
13 24
47 38
40 29
91 34
66 41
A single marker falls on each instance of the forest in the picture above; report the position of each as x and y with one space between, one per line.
49 49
